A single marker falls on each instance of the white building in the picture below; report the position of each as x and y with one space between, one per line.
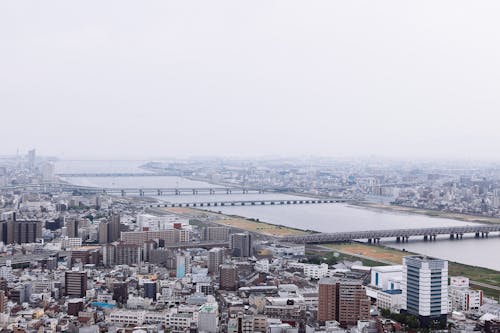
390 299
208 318
315 271
262 266
463 298
69 242
425 288
386 277
156 223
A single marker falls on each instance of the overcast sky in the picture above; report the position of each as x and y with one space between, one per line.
136 79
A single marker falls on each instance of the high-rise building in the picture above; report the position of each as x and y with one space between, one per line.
150 290
215 259
343 300
3 301
72 228
114 228
228 277
425 288
127 254
183 265
76 283
103 232
48 172
216 234
120 292
20 232
241 245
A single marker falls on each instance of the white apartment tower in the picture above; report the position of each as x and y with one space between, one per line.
425 288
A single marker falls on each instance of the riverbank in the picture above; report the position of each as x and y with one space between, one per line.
239 222
482 278
486 279
430 213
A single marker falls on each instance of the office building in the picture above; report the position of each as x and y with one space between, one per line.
215 259
241 245
76 283
425 289
343 300
120 292
228 277
150 290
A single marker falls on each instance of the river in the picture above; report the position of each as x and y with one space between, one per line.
318 217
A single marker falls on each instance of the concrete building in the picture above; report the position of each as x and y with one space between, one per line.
216 234
386 277
425 288
215 259
241 245
76 283
343 300
103 233
20 232
228 277
462 297
208 318
114 228
315 271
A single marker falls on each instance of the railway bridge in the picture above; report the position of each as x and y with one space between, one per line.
245 203
401 235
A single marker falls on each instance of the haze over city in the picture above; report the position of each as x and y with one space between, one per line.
116 79
249 167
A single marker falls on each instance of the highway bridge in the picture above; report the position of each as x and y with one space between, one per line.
123 191
401 235
114 174
245 203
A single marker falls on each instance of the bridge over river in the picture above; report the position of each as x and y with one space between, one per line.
401 235
245 203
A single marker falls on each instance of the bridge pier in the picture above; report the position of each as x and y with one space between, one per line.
177 192
159 193
452 236
123 193
425 238
476 235
398 240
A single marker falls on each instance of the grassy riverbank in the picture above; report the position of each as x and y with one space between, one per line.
386 255
240 222
369 254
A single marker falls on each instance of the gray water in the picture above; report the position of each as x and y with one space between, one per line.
343 217
318 217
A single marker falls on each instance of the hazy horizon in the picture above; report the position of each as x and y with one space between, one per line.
129 80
